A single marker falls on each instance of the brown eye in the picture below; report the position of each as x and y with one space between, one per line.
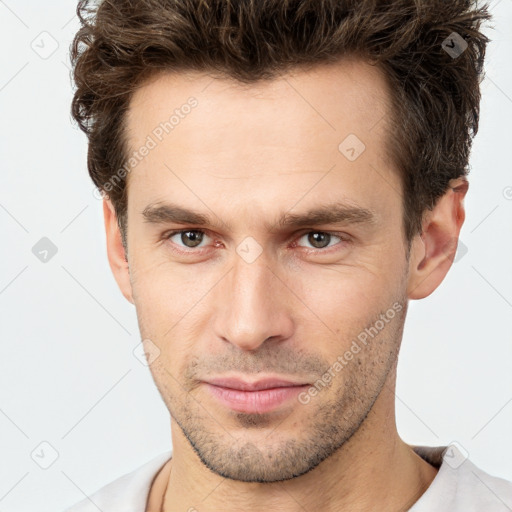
323 241
191 238
187 238
318 239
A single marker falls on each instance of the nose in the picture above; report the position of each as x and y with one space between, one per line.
252 306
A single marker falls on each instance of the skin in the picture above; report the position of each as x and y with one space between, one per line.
245 156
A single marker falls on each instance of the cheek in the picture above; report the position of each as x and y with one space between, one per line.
349 303
345 297
172 304
160 288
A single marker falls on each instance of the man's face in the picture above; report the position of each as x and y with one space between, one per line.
249 292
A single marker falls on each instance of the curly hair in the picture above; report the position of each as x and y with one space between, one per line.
435 92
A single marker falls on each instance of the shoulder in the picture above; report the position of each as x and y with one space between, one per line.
478 490
128 492
461 486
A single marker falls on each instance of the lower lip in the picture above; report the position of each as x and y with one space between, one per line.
258 402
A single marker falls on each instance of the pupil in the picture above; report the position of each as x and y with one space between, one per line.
194 236
319 240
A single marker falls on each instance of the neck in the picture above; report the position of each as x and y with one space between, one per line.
373 470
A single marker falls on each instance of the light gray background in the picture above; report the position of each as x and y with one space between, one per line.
68 376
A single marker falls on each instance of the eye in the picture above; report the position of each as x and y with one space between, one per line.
186 240
322 239
189 238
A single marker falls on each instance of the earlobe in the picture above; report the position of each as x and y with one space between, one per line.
433 251
117 257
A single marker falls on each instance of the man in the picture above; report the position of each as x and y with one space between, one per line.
280 179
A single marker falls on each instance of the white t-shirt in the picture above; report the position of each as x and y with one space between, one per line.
459 486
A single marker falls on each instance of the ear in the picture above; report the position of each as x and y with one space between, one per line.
115 251
433 251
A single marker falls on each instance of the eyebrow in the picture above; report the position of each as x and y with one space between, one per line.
335 213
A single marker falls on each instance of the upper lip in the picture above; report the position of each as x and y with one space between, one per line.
243 385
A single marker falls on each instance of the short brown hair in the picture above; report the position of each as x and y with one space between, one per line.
436 94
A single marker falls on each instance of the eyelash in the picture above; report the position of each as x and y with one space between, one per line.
344 239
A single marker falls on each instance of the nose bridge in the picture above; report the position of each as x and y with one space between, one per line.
252 307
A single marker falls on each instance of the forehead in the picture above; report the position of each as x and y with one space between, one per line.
268 137
346 95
